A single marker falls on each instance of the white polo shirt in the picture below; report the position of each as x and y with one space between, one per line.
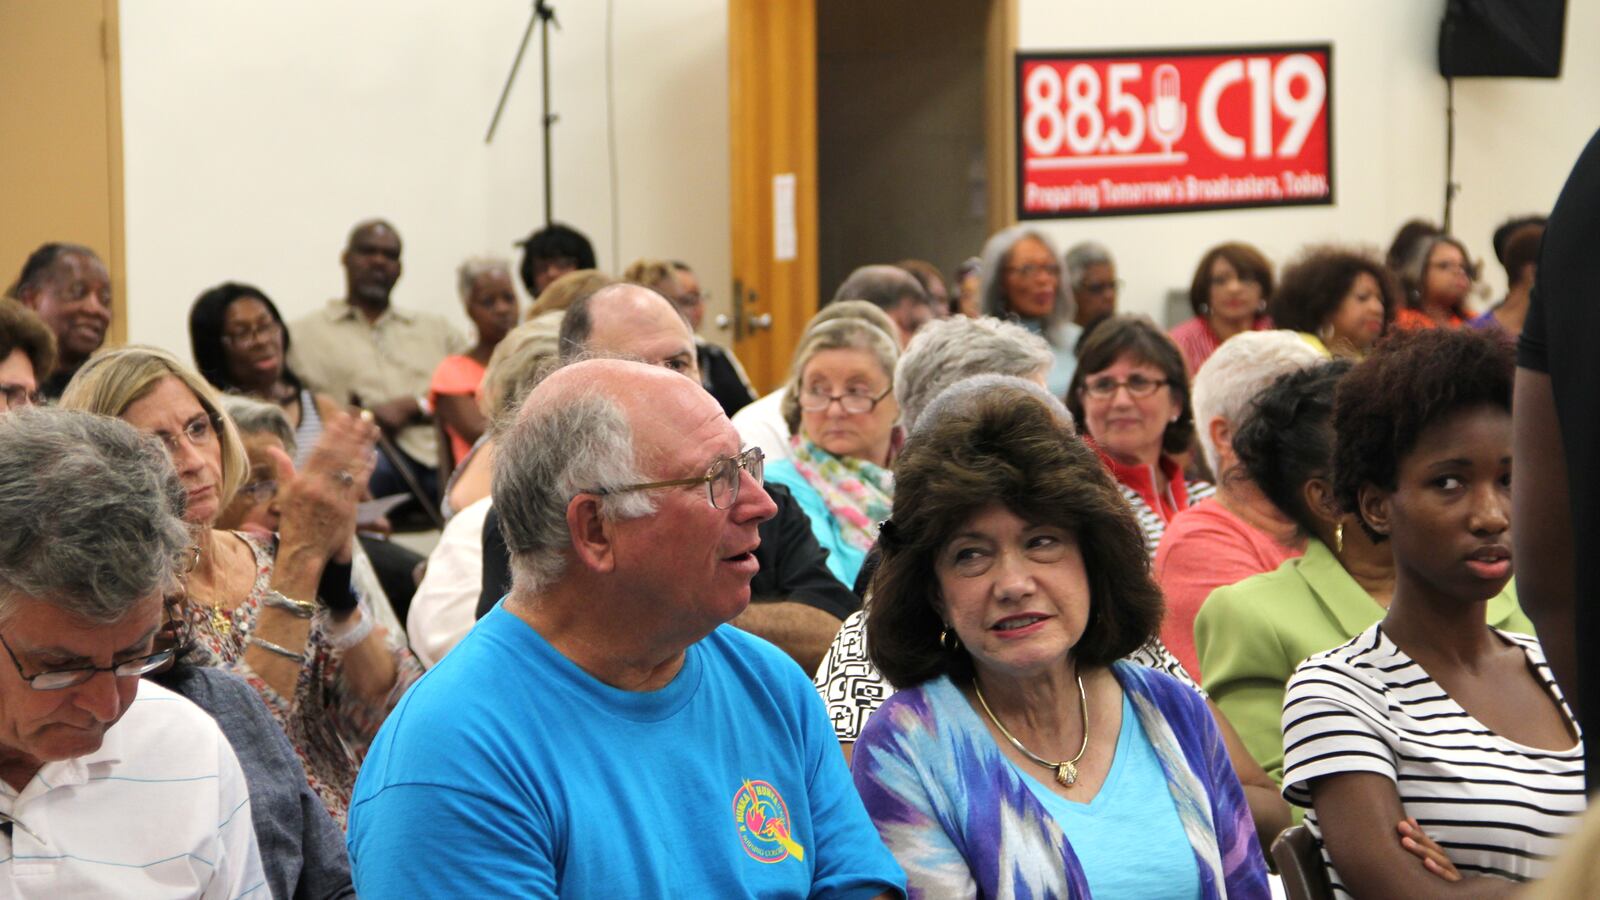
160 810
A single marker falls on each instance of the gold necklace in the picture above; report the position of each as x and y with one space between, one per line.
1066 770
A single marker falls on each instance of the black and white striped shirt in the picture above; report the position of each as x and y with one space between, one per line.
1495 806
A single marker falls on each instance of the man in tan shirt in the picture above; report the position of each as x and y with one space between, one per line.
363 351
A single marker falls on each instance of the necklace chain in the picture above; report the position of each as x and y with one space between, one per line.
1067 769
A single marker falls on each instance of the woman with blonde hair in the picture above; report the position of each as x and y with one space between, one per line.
268 610
842 416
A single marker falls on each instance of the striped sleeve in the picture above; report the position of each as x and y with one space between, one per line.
1333 723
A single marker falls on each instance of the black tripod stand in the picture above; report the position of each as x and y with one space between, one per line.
544 15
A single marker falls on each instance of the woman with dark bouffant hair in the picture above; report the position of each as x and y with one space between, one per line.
1432 718
1014 580
1229 295
1340 301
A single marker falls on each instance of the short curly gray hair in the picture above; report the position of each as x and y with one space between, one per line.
552 452
946 351
94 514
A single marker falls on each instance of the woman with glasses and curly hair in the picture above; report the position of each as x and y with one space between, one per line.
1020 755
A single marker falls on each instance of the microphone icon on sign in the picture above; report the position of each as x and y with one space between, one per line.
1168 113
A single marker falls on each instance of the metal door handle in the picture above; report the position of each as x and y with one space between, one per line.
764 320
723 322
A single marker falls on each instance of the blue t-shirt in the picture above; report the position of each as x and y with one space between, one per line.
508 771
1134 808
844 558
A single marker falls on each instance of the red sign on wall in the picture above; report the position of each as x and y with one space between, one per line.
1173 131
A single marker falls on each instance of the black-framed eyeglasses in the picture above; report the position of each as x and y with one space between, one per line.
813 400
721 479
1105 387
245 336
60 679
18 395
1098 288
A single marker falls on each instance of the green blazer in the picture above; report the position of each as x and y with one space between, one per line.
1253 634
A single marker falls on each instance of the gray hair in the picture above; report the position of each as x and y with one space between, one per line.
1236 373
946 351
577 443
883 286
252 416
837 334
470 270
94 514
1080 256
992 293
960 396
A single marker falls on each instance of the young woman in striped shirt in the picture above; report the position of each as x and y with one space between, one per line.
1435 752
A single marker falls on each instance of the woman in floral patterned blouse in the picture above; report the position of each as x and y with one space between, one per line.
281 613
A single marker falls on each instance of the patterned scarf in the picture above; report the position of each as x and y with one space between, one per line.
860 494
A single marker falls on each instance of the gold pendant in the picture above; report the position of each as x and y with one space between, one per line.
219 622
1067 774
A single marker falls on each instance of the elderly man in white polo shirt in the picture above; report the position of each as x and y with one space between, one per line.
112 786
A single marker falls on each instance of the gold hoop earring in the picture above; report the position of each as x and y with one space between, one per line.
949 640
1338 538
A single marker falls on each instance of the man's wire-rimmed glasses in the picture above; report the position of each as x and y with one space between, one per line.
721 479
61 679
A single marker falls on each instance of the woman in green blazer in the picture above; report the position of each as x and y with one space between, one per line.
1251 635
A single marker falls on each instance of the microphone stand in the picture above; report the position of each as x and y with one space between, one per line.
545 16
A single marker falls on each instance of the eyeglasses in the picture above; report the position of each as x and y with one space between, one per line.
1032 269
1101 287
721 480
60 679
240 337
1105 387
1454 268
200 432
259 491
18 396
852 402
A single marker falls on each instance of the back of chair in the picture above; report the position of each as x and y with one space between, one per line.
1300 865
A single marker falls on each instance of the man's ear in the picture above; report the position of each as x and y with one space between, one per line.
1375 507
592 538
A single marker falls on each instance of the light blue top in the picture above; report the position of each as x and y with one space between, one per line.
1063 344
1133 809
508 771
844 558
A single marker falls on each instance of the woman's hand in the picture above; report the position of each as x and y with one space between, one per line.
1417 842
319 506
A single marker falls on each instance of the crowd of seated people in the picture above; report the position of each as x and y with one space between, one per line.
988 538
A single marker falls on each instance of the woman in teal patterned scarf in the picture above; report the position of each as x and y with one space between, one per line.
842 413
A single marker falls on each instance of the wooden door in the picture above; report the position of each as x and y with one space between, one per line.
773 115
61 136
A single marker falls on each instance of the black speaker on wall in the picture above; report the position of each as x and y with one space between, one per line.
1519 38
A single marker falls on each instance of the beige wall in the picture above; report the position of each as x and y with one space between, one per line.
257 133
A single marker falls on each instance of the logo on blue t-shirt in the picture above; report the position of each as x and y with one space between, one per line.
763 820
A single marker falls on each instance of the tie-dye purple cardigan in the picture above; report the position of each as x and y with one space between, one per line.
961 822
